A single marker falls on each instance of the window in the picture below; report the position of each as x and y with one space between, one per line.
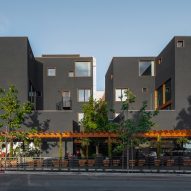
82 69
144 90
80 116
84 95
70 74
180 44
159 60
116 114
146 68
160 97
168 91
164 96
32 95
120 95
66 100
51 71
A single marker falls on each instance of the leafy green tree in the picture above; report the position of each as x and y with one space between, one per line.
133 124
96 119
182 141
12 113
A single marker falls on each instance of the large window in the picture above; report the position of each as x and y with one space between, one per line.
146 68
120 95
82 69
84 95
164 96
168 96
160 97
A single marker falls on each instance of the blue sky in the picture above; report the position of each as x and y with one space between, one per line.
99 28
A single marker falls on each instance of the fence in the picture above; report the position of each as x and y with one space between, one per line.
95 164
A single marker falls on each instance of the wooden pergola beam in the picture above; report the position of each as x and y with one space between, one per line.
73 135
150 134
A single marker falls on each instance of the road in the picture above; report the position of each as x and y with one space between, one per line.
35 182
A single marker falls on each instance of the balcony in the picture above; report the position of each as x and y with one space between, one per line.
65 104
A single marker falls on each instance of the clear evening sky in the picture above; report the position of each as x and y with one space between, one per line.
99 28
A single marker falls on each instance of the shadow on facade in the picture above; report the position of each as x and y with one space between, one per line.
184 117
32 121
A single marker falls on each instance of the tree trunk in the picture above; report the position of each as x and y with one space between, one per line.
158 147
127 149
11 148
97 149
87 149
60 148
109 148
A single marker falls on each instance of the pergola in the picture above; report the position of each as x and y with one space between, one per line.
153 134
168 134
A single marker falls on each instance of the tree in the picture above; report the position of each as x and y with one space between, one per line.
132 125
12 113
182 141
96 119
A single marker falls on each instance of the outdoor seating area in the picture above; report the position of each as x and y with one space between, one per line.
73 164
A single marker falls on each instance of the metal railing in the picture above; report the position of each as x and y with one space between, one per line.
95 164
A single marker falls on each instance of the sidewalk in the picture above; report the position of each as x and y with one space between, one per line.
128 174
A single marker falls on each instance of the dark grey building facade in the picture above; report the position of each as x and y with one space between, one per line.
162 81
57 85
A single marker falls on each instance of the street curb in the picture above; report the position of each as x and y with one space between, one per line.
98 174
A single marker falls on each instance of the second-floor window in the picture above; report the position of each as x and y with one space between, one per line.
51 72
66 100
84 95
120 95
82 69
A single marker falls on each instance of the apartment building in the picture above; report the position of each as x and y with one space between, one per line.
162 81
57 85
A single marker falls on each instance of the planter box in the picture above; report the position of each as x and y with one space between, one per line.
64 163
141 163
116 162
56 163
186 162
31 164
169 162
131 163
14 163
91 162
39 163
82 162
157 162
106 163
